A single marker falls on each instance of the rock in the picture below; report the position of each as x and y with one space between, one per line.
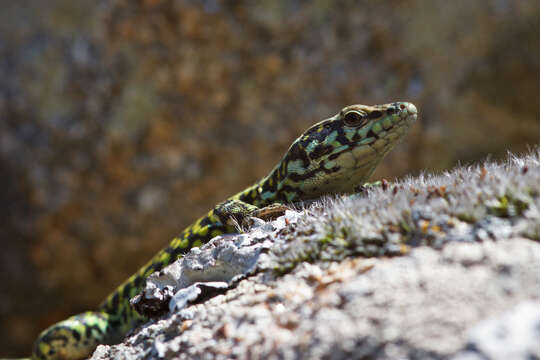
511 335
461 297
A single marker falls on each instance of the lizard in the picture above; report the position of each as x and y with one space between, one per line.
333 156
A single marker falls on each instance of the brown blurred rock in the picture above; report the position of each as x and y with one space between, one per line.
122 121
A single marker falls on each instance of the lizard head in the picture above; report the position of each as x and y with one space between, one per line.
340 153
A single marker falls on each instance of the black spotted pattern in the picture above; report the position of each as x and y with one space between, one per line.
280 186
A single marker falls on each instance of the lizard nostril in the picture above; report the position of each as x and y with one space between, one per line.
402 106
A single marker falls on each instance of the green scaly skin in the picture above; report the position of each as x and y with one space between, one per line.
331 157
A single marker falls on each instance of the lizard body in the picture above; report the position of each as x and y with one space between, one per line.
331 157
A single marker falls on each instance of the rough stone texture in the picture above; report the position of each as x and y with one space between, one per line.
442 300
219 264
121 121
420 306
512 335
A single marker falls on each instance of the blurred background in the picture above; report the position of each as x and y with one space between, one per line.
121 121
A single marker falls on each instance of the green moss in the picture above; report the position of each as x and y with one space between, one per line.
469 218
507 206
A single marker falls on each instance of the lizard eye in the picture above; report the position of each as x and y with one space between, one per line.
354 118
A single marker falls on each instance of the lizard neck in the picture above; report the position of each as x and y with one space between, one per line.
273 188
